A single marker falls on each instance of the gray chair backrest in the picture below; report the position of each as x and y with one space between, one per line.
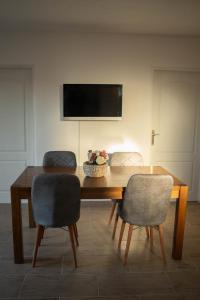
146 199
56 199
59 159
126 159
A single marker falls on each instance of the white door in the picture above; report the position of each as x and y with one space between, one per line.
176 108
16 126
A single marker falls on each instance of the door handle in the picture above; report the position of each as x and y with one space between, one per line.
153 134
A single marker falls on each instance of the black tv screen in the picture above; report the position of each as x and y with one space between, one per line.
92 101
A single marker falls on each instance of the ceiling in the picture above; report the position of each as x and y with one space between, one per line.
165 17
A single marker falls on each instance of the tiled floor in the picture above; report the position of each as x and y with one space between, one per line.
101 274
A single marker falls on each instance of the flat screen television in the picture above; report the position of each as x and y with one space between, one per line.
92 101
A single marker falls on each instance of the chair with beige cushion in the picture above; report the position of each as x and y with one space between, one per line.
123 159
145 204
126 159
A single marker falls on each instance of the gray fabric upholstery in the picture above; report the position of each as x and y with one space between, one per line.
59 159
126 159
56 199
146 199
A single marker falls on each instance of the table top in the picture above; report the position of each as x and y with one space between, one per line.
117 177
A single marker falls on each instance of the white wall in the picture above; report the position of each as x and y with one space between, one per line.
95 58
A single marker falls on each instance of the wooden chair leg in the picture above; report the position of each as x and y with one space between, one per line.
160 230
42 234
39 234
147 231
30 215
115 225
130 231
71 235
76 229
151 238
121 233
114 203
75 234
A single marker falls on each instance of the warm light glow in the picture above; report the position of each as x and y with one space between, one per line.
126 146
151 169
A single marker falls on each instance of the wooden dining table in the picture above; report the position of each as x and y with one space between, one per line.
111 186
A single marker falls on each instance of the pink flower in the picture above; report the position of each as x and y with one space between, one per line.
97 157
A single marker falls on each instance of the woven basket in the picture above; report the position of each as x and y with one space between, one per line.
95 170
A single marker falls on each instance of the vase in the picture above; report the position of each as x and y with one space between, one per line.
95 170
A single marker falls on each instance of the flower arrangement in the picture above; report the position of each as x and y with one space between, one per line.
96 165
97 157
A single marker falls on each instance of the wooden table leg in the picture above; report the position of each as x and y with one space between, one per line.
17 227
179 224
30 214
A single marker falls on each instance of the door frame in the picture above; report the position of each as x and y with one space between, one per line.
172 69
31 109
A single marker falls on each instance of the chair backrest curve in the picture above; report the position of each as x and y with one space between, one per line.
59 159
56 199
126 159
146 199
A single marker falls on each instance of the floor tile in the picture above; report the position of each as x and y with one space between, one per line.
10 285
106 264
185 281
59 285
134 284
7 266
102 298
162 297
57 298
101 274
191 296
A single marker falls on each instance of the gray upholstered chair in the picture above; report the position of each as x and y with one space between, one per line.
59 159
54 159
123 159
126 159
56 203
145 203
